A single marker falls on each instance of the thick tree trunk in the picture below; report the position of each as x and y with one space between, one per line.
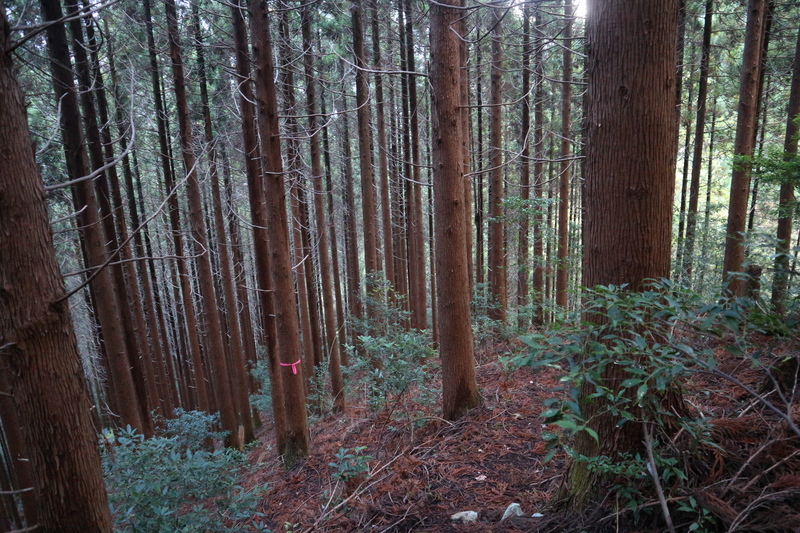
294 172
460 390
36 336
743 147
630 171
296 440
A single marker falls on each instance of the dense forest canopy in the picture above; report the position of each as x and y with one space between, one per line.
251 202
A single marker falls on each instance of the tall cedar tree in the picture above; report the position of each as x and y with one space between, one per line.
328 302
630 171
37 341
296 438
416 246
497 248
368 208
216 350
787 199
459 388
138 352
259 217
538 170
562 269
105 294
383 159
743 146
188 315
525 170
237 364
697 160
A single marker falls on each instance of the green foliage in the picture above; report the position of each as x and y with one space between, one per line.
652 340
168 483
484 328
391 360
406 359
319 397
351 464
262 400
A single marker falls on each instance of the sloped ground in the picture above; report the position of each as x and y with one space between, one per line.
423 469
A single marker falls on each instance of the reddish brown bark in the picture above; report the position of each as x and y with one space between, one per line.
36 336
383 163
216 351
459 388
523 270
296 439
106 302
743 147
417 281
562 270
260 219
628 195
368 206
786 201
328 301
497 249
189 316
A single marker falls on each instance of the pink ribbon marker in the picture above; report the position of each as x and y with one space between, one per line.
293 365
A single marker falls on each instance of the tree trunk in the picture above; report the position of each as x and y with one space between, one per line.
786 203
328 302
260 220
459 388
94 239
189 315
36 336
697 160
743 147
383 162
630 171
563 269
540 258
417 281
205 278
523 270
368 209
237 363
296 441
334 243
496 260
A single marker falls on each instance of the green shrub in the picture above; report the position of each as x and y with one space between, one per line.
169 484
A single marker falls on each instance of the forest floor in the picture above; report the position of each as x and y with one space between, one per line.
422 469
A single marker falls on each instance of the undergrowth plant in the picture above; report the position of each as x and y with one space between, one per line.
654 339
392 364
169 483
